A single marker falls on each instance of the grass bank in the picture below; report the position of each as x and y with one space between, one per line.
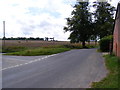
12 49
112 79
39 51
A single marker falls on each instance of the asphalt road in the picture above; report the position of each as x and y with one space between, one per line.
71 69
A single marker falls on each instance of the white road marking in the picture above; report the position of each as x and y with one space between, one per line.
39 59
11 59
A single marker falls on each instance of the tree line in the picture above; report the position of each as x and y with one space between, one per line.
85 25
30 38
23 38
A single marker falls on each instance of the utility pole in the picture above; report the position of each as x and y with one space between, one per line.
4 33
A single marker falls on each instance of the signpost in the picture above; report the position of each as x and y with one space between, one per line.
4 33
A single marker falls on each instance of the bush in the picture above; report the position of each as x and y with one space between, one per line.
105 43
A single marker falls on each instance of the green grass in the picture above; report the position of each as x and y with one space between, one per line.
111 81
12 49
44 50
39 51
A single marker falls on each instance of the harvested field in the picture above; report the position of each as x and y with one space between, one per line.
37 43
33 43
21 45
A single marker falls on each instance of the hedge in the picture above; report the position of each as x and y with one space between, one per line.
105 43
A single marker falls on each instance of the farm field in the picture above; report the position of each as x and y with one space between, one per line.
33 43
35 47
37 43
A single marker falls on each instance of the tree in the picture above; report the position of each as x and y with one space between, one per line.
79 24
104 21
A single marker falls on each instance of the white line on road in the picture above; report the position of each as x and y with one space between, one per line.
39 59
12 59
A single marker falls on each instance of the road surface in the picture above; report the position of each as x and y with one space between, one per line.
71 69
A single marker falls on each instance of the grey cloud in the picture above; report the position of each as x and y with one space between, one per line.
28 29
32 26
44 23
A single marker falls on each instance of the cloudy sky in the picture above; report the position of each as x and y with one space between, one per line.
36 18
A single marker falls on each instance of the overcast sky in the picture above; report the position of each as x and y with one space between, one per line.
36 18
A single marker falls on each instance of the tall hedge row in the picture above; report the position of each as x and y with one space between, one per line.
106 43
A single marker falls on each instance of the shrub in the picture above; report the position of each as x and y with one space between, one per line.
105 43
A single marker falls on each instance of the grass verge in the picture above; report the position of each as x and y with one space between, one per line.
39 51
112 79
44 50
12 49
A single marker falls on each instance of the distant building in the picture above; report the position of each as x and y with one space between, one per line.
116 42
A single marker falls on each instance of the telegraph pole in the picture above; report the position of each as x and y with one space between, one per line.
4 33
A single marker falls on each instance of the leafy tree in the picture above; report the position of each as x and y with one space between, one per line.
79 24
104 21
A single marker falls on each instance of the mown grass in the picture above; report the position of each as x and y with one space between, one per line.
112 79
39 51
